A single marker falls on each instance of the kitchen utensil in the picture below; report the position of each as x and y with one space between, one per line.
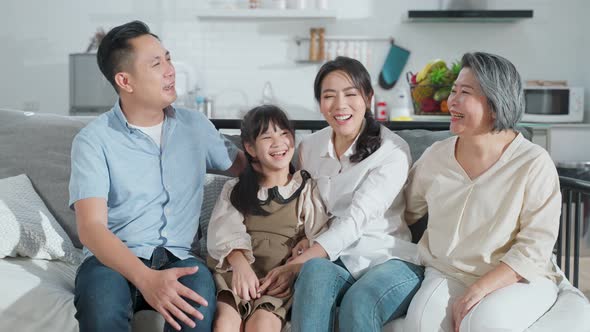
392 68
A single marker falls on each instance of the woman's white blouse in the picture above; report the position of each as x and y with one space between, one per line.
365 199
508 214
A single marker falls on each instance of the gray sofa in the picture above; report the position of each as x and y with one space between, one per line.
38 145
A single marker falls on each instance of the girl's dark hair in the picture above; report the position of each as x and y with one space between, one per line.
369 139
244 196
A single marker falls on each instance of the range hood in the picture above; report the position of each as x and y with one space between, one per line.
467 11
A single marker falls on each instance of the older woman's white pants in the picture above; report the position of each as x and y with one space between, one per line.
512 308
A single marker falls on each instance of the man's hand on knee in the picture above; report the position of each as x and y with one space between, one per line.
163 291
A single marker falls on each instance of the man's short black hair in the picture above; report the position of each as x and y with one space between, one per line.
115 50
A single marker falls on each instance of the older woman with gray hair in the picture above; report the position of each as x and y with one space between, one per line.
493 204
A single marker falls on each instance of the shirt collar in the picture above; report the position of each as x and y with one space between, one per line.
288 191
330 152
169 113
325 151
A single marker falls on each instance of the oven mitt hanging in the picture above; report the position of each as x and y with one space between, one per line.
393 66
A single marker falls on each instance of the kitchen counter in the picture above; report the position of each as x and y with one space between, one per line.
320 124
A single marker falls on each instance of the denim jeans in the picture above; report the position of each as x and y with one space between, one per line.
106 301
379 296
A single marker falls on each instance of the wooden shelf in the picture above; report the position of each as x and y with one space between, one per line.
266 14
309 62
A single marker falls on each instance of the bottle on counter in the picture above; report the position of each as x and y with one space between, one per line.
208 108
321 44
204 105
200 104
401 104
381 111
313 44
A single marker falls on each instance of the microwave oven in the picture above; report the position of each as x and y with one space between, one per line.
553 104
90 92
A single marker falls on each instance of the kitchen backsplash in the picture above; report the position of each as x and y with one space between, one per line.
230 59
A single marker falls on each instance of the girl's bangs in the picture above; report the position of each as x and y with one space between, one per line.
274 116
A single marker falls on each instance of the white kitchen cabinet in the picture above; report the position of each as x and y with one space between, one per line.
539 134
564 142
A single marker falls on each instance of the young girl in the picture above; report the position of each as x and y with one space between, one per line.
256 223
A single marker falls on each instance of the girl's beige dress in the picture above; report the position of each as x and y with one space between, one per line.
295 212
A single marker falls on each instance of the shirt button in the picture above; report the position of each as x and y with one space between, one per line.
164 233
167 210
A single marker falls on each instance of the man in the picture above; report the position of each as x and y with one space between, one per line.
137 188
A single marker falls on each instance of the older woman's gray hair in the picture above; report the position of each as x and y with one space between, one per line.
501 84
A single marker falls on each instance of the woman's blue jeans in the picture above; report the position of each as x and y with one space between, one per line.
379 296
106 301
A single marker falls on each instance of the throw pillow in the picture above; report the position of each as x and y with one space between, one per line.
213 185
27 228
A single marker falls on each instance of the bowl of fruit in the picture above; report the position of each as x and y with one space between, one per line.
431 87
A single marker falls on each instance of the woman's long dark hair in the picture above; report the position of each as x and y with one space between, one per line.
369 139
244 196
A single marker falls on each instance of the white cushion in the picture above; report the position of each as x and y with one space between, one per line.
27 228
37 295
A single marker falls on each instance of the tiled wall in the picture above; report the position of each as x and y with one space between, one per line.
232 59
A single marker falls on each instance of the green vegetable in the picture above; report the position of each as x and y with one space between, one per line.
442 93
437 76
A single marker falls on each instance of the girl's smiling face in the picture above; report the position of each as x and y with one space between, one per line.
273 149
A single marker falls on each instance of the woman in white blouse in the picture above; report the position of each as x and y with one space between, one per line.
493 202
365 262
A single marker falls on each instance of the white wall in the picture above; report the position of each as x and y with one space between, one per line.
233 58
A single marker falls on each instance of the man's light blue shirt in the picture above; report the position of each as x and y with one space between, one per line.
153 194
